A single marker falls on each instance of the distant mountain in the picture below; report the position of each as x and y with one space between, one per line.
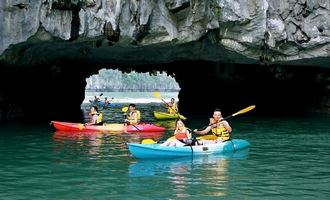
115 80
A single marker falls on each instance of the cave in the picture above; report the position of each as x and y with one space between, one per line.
46 81
222 54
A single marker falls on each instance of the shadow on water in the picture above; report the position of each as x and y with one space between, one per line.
154 167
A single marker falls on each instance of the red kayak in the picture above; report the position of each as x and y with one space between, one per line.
142 127
93 135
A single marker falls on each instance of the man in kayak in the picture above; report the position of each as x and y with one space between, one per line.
219 127
182 136
96 118
96 99
106 101
133 117
172 107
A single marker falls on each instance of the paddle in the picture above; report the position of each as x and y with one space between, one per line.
151 141
157 95
245 110
125 109
148 141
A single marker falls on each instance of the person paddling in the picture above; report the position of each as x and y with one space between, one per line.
106 101
172 107
96 118
219 127
133 117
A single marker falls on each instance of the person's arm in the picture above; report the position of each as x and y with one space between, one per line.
203 132
211 121
94 119
135 119
226 125
176 107
188 134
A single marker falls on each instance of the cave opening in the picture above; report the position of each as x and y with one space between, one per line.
112 89
58 93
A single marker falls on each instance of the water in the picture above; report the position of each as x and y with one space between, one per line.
289 158
132 97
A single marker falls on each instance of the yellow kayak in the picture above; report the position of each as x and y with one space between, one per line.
164 116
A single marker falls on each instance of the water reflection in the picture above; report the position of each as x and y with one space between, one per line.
168 124
185 174
152 167
101 143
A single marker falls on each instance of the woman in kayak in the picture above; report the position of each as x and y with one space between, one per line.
182 136
96 118
219 127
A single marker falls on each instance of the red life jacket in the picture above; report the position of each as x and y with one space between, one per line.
181 135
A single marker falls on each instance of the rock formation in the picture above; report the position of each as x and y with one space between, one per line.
62 39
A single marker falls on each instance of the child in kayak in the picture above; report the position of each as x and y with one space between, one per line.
181 137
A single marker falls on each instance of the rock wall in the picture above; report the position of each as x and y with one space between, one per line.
235 46
267 31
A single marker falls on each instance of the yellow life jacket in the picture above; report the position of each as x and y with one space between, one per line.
131 118
99 118
221 132
172 109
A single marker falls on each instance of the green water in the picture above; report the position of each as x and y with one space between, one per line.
289 159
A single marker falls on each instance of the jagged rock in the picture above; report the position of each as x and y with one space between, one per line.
241 25
66 38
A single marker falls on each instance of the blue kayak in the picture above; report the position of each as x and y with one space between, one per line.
158 151
102 104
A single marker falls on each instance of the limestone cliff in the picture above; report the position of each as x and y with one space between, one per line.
264 31
242 50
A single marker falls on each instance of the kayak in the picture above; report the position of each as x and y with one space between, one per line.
164 116
102 104
92 135
158 151
142 127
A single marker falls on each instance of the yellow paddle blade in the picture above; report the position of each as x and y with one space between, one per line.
207 137
157 94
182 117
124 109
148 141
247 109
80 126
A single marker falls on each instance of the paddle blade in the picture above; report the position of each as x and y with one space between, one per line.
247 109
148 141
124 109
182 117
207 137
157 94
101 94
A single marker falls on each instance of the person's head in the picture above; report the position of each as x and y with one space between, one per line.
180 123
105 98
131 106
94 109
172 100
217 114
